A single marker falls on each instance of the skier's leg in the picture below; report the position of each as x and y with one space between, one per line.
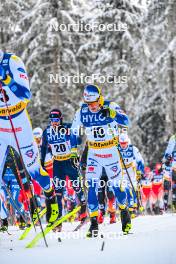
93 173
161 200
3 156
59 183
3 211
101 202
72 172
111 204
114 173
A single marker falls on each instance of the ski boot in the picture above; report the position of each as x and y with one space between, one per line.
22 224
101 216
34 210
93 229
112 218
132 212
52 207
4 226
126 221
35 213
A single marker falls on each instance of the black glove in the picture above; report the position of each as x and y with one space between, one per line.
75 162
105 112
168 160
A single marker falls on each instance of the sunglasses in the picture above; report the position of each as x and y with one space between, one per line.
92 103
55 120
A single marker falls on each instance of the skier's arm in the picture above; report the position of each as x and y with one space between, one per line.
169 150
84 157
119 115
44 147
139 160
75 128
18 83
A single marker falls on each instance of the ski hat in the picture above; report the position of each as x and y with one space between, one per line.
147 169
147 172
37 132
92 93
56 114
158 168
123 138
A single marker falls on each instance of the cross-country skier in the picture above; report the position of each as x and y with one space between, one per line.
57 136
167 177
100 119
146 190
158 189
135 166
14 96
48 164
170 161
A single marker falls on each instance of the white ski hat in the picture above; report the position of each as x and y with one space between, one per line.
123 138
37 132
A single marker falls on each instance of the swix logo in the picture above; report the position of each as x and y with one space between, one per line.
91 169
30 153
85 109
114 168
23 76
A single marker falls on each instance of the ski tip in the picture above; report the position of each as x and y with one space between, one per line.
30 245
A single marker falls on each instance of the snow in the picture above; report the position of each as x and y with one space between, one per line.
153 241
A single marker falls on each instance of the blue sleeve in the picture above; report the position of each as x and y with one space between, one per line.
140 166
44 147
74 140
122 119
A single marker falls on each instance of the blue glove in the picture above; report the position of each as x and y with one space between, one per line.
2 73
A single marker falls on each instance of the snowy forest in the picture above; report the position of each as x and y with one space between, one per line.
139 56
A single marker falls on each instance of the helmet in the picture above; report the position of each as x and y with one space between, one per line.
123 138
37 132
92 93
55 115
